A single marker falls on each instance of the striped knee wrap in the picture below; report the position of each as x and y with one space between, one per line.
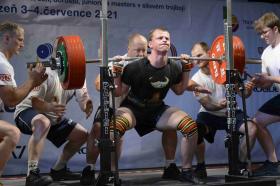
122 125
187 126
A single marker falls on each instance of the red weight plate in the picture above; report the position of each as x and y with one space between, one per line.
218 68
76 62
238 54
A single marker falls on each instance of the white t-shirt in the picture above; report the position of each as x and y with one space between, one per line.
271 62
7 75
218 91
52 90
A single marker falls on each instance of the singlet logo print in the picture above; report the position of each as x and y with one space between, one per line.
159 84
5 77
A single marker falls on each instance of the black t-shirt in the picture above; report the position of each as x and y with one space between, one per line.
150 84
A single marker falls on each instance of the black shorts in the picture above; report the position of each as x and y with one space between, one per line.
58 133
272 106
217 123
146 117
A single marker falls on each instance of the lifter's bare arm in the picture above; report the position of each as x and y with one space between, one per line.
193 86
264 80
179 88
43 107
185 83
11 96
212 106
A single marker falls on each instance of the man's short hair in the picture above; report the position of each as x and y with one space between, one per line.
9 27
203 45
150 36
133 36
268 19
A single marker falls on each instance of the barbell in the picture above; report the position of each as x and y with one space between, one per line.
68 59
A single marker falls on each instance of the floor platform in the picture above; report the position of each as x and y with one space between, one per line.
145 177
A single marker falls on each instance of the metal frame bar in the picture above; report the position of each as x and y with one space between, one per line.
106 145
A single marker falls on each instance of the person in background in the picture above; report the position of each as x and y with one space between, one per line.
41 115
11 43
212 114
268 26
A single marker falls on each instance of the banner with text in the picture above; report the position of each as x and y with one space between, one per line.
188 21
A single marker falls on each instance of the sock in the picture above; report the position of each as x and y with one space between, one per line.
32 165
92 166
168 162
186 169
60 164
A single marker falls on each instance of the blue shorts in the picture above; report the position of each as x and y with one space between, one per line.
215 123
58 133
